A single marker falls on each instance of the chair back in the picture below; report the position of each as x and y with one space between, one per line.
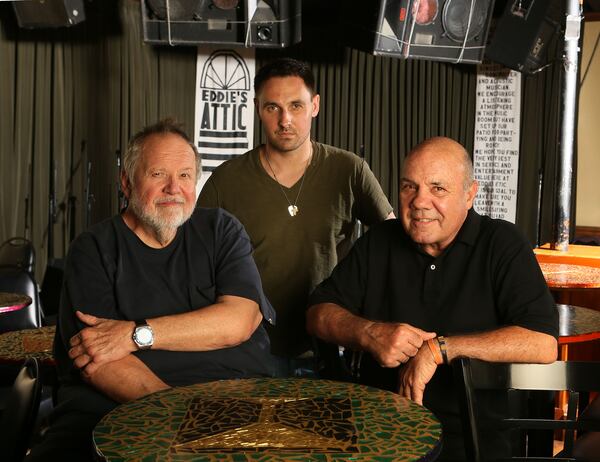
18 418
574 377
17 253
29 317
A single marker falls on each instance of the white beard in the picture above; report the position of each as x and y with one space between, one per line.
163 222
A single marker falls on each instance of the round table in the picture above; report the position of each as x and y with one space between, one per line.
569 276
18 345
12 302
269 419
577 324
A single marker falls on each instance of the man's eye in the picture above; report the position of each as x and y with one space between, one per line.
439 189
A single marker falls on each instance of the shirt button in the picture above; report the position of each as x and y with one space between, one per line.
432 267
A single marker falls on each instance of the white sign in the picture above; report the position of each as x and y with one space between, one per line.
496 145
224 118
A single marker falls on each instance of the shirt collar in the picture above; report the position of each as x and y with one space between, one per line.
470 229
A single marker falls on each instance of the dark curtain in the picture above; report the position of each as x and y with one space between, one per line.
78 94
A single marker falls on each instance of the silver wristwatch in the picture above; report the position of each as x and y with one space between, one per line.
143 336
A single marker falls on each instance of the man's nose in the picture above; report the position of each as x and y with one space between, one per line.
421 199
173 185
285 118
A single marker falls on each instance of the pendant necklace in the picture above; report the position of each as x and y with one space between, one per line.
292 208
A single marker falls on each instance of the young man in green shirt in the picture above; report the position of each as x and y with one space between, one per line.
299 201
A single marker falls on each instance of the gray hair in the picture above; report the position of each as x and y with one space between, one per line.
136 145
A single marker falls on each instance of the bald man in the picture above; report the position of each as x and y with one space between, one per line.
439 282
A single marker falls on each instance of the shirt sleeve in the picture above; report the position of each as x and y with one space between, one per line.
371 205
347 284
236 272
87 287
522 293
209 195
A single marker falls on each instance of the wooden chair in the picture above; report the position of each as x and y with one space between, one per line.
577 378
18 419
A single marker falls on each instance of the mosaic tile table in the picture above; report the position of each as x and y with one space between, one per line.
269 420
18 345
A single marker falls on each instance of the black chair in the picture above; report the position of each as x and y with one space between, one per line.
17 253
577 378
20 282
18 418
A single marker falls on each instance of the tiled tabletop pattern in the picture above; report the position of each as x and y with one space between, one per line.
269 420
18 345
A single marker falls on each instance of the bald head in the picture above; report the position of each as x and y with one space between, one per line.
436 192
447 147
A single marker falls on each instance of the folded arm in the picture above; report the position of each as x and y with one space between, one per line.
507 344
227 323
390 343
125 379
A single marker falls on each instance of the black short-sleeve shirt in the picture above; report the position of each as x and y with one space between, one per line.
487 278
112 274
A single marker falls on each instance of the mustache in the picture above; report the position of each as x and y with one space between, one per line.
164 200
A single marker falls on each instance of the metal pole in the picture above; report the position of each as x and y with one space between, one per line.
568 115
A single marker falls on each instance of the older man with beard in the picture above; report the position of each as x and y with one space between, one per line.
158 296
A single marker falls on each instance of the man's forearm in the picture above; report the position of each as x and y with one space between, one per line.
507 344
227 323
125 380
337 325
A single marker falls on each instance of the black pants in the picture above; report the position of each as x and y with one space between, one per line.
69 438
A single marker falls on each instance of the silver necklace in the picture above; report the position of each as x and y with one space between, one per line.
292 208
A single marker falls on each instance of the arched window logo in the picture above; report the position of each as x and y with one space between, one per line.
224 112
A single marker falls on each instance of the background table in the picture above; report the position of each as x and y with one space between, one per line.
577 324
12 302
269 419
570 276
18 345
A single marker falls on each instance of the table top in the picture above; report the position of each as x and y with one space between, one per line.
269 419
570 276
577 324
16 346
11 302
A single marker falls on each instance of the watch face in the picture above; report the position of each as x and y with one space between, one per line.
143 336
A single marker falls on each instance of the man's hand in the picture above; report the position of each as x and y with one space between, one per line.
104 341
392 344
416 374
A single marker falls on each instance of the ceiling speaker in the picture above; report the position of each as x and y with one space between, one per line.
440 30
33 14
527 34
268 24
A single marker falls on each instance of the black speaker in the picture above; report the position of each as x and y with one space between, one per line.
272 24
440 30
33 14
525 32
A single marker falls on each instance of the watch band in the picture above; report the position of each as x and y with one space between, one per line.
140 322
443 348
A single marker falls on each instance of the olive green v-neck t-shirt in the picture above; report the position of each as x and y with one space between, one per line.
295 253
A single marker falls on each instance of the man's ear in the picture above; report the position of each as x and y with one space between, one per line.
125 184
316 101
471 193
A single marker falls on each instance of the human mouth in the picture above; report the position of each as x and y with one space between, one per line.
169 202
